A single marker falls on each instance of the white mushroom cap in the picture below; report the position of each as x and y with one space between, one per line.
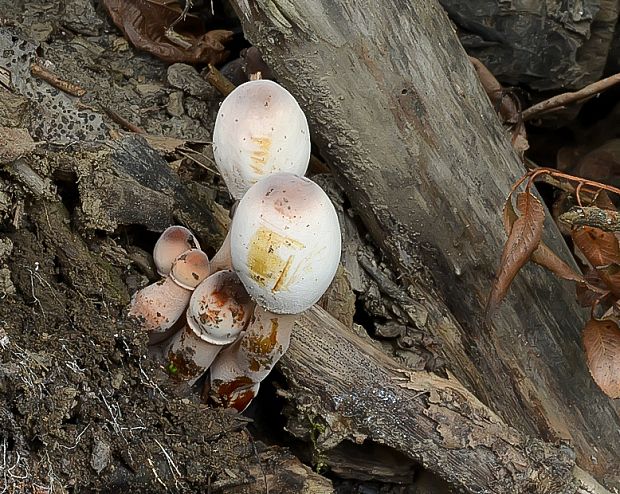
260 129
285 243
190 269
174 241
219 308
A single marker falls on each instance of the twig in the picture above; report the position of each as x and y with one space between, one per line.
150 462
496 93
37 70
175 37
606 220
186 153
126 124
77 439
562 100
219 81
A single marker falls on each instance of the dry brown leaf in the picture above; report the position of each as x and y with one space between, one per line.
602 251
543 255
594 290
601 164
599 248
523 240
145 23
603 201
509 216
601 340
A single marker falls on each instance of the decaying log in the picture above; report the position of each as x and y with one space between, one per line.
349 390
397 112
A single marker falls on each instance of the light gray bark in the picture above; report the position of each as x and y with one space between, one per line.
400 117
348 390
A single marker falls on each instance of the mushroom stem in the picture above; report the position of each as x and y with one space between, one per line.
222 259
188 356
238 370
218 311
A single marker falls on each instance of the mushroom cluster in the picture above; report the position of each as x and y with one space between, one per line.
279 257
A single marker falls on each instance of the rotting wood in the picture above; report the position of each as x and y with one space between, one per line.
365 395
276 471
400 117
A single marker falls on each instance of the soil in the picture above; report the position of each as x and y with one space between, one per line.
83 406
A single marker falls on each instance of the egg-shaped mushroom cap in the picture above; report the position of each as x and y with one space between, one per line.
285 242
190 269
260 129
173 242
219 308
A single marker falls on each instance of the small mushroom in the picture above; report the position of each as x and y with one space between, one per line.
219 309
285 242
285 247
259 130
159 306
239 369
172 243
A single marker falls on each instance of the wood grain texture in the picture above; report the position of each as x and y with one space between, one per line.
352 391
397 112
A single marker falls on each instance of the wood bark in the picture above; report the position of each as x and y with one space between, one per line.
349 390
398 114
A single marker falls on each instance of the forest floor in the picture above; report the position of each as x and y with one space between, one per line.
82 405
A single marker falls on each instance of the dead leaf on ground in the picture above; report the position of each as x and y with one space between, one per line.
145 24
602 251
601 164
524 238
601 340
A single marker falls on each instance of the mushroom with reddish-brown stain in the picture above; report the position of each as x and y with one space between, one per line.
239 369
285 247
218 311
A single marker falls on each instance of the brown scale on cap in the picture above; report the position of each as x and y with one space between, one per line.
173 242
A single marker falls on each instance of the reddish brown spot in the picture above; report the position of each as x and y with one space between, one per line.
180 364
242 400
227 388
237 393
262 344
